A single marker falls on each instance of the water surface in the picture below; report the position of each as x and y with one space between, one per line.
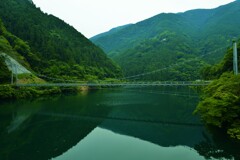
140 123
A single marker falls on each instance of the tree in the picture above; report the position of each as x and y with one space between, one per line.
220 104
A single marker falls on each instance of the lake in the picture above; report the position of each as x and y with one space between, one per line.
111 124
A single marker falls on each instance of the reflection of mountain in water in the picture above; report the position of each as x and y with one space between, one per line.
222 146
162 134
165 120
214 145
44 137
43 130
46 129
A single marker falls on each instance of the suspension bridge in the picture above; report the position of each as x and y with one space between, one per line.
126 81
17 70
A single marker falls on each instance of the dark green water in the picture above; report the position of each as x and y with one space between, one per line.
120 124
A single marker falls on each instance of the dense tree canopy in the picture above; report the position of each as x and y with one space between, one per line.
157 42
166 54
11 45
56 48
220 105
220 102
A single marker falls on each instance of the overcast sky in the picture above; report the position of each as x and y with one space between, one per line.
91 17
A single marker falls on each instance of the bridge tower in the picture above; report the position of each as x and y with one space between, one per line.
235 58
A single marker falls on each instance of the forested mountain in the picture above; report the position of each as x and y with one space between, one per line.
165 54
57 49
158 41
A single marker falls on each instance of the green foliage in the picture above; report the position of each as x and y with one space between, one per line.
4 44
52 40
234 130
12 92
211 30
158 53
138 48
60 70
6 92
226 65
14 47
2 28
220 105
5 74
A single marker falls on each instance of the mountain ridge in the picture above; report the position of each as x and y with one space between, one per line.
63 51
207 31
203 15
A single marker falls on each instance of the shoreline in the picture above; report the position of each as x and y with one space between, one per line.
11 92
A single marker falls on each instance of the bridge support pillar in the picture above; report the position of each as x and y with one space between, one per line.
235 58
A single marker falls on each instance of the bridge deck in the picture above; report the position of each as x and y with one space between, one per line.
137 84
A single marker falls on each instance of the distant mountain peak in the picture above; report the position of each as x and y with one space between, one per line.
168 38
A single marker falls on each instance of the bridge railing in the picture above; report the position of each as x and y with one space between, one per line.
158 83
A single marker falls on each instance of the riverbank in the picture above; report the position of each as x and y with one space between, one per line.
219 104
15 92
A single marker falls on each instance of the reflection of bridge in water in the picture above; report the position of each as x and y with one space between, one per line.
131 84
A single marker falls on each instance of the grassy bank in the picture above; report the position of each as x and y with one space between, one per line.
14 92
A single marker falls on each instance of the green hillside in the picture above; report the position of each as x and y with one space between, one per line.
161 52
201 32
58 50
12 46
